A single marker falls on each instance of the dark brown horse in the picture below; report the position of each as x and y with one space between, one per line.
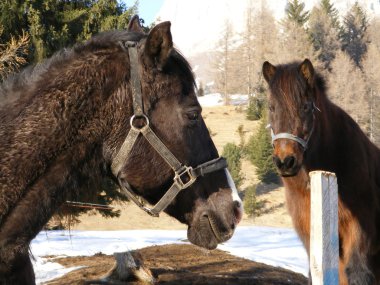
66 121
309 133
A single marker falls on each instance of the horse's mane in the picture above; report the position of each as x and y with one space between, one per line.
16 89
288 77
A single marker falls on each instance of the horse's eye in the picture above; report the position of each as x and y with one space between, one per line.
271 108
193 116
307 107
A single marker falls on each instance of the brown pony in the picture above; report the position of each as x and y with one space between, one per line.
65 121
309 133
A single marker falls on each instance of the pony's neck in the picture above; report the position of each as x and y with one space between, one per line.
335 133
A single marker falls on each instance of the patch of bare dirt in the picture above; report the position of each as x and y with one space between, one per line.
185 264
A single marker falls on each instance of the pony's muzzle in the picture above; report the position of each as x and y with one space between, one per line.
287 166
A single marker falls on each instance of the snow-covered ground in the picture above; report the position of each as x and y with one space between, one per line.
216 99
273 246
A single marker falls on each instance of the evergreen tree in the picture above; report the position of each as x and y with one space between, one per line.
259 150
233 155
329 9
54 24
252 207
295 41
324 36
13 54
354 36
295 12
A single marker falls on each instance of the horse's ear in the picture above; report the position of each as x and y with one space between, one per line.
307 71
134 25
159 44
268 71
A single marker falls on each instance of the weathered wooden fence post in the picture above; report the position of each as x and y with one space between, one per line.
324 238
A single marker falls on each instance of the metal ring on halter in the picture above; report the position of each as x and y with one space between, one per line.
139 117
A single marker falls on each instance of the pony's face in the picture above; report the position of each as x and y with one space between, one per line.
210 207
291 107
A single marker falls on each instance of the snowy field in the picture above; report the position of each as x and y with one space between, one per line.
272 246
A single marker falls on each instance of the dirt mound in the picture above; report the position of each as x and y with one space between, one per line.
185 264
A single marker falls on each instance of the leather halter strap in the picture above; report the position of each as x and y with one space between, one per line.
184 176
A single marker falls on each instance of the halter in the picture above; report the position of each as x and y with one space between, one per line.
184 176
292 137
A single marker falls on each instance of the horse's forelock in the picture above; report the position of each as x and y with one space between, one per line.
288 85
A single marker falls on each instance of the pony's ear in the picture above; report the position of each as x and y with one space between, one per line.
134 25
268 71
159 44
307 71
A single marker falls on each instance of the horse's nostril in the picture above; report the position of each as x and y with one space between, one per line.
277 161
290 162
204 215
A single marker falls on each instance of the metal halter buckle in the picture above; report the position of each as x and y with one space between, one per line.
185 177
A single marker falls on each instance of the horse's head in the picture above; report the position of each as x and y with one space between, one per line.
209 203
291 112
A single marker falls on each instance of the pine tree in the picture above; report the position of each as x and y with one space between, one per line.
354 36
252 206
259 150
323 35
295 41
54 24
329 9
13 54
295 12
233 155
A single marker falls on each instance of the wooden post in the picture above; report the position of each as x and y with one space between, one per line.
324 238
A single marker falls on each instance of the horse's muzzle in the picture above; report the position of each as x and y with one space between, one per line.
288 166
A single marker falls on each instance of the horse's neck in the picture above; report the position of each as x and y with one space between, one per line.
336 133
54 122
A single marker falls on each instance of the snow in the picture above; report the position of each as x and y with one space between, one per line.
274 246
216 99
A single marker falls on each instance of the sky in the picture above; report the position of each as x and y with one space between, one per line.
148 9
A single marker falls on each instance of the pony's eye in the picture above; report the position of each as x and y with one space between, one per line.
307 107
271 108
